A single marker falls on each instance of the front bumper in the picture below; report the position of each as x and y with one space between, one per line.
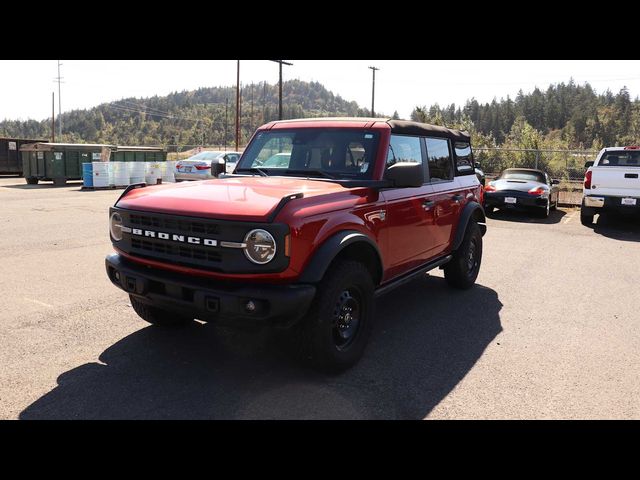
523 200
279 305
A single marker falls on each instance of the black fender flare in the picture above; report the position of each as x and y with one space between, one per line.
467 213
329 250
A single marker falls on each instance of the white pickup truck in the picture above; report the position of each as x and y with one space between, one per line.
612 182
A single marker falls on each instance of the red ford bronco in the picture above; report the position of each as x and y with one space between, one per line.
319 217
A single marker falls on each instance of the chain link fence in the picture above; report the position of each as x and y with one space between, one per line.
567 166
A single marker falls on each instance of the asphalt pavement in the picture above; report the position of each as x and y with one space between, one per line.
550 331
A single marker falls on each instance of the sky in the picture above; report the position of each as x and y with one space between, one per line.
401 85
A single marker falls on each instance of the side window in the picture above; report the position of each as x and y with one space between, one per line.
464 158
439 158
404 149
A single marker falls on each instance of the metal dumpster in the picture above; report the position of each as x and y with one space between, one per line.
10 161
124 153
59 162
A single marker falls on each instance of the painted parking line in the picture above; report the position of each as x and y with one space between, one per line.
569 217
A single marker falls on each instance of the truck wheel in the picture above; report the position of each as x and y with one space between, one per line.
333 335
586 217
462 270
32 180
157 316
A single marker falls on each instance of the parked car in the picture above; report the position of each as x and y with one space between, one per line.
361 208
611 183
523 189
206 165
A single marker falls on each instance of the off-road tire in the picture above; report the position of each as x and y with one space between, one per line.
462 270
316 338
157 316
32 180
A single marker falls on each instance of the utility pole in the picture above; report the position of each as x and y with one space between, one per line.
280 87
53 117
251 121
226 110
59 79
264 102
238 107
373 90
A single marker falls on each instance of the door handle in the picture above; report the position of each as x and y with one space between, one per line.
427 204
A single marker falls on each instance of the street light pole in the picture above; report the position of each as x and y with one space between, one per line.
280 87
373 90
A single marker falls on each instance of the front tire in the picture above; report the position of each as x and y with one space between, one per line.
333 335
156 316
461 272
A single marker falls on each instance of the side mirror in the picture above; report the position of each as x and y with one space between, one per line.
405 174
588 164
555 182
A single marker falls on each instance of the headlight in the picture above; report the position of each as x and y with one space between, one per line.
260 246
115 226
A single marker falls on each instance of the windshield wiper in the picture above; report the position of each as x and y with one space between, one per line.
254 170
322 173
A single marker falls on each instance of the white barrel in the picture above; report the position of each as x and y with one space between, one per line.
100 174
168 172
152 173
120 176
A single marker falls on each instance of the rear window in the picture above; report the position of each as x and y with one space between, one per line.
523 175
620 159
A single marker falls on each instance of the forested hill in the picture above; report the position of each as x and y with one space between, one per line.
564 116
194 117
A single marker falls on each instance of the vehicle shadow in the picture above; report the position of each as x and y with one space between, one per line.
618 226
527 217
26 186
427 338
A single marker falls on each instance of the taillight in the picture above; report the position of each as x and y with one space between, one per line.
587 179
489 188
203 167
178 165
536 191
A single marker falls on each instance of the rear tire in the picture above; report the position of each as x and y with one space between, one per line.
544 211
461 272
586 218
157 316
333 335
32 180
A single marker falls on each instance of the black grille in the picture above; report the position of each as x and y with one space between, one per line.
175 225
178 251
215 258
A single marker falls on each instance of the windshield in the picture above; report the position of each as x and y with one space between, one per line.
312 152
526 175
205 156
620 159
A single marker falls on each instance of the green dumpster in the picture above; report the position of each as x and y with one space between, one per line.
59 162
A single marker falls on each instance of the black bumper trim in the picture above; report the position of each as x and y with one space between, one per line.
523 200
281 305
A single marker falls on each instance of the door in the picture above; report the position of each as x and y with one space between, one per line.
409 213
446 194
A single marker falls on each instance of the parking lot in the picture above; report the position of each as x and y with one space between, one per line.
550 331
